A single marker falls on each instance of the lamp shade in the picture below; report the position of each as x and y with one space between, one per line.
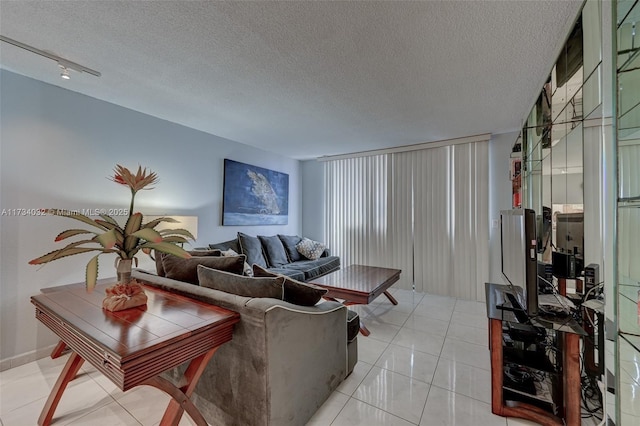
190 223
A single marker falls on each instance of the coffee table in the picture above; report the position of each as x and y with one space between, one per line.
359 285
132 347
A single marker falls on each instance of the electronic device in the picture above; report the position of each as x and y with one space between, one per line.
570 242
545 278
518 242
591 278
566 265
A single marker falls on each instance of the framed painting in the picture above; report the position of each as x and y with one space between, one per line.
254 196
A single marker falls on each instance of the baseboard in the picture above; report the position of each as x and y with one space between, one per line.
25 358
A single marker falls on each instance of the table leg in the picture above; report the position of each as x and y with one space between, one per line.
390 297
363 329
68 374
178 404
572 378
58 350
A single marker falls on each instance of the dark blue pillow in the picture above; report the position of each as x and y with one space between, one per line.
274 250
289 242
252 248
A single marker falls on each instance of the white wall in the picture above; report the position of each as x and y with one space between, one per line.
499 196
56 150
313 199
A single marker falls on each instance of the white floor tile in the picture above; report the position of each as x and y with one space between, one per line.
512 421
110 414
471 307
358 413
439 312
419 341
329 410
471 320
468 334
467 353
427 325
417 365
351 383
448 408
434 300
381 330
394 393
369 350
137 402
388 315
463 379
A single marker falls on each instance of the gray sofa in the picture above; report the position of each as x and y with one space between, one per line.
282 364
278 254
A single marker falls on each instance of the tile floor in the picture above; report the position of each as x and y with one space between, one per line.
426 362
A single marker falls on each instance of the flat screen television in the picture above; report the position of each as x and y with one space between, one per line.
519 255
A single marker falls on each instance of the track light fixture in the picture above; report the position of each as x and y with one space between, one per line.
64 73
64 64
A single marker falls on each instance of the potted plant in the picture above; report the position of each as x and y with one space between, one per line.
107 236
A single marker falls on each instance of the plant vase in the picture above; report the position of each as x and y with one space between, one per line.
127 293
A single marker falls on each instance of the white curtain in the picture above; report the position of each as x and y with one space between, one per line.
423 211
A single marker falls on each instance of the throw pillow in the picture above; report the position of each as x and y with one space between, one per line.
252 248
186 270
240 285
158 256
276 255
310 249
289 242
296 292
247 269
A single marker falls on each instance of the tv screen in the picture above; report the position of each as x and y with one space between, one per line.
519 254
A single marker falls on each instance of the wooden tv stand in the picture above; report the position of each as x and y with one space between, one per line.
566 389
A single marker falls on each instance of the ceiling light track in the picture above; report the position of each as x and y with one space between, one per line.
65 64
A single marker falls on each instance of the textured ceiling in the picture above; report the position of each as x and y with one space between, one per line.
306 78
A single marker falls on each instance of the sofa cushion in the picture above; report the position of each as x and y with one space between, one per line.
240 285
316 268
158 256
289 242
247 268
274 250
310 249
291 273
186 270
353 325
295 292
226 245
252 248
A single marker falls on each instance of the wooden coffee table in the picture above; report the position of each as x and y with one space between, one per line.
132 347
359 285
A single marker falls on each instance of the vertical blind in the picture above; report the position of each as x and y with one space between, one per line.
423 211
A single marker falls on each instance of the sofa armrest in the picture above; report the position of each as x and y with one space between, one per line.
307 359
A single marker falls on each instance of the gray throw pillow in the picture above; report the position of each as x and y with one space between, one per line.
239 284
296 292
252 248
158 256
289 242
186 270
273 248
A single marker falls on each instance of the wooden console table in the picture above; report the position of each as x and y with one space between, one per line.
132 347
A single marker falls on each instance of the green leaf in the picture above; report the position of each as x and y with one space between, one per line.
175 239
108 239
148 234
109 219
71 233
133 225
109 225
168 248
183 232
91 276
65 252
76 216
156 222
